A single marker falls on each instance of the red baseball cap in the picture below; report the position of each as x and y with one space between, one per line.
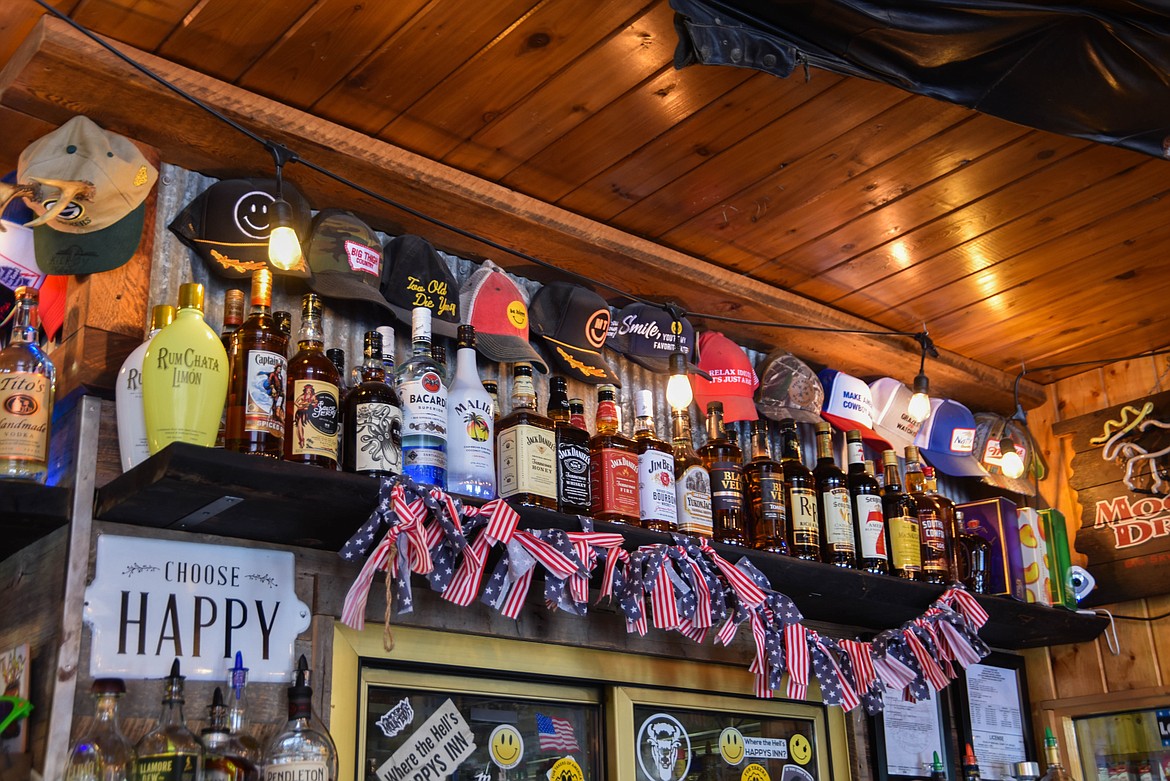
498 311
733 380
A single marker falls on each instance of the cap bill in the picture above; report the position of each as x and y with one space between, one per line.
509 349
585 365
89 253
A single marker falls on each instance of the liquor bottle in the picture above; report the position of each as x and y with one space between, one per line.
387 334
800 496
613 464
970 765
224 758
834 507
103 753
336 356
871 470
439 356
301 751
1055 771
692 481
938 771
28 384
872 546
131 414
169 752
572 452
312 404
233 315
901 513
184 377
767 519
527 447
471 453
577 414
946 513
493 391
257 387
424 408
283 322
657 503
724 462
237 687
972 555
372 422
936 565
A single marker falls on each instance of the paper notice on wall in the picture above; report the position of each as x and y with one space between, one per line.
434 750
913 733
997 732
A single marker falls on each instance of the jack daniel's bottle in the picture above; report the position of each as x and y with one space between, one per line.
572 452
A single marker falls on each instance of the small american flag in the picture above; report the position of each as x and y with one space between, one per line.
555 734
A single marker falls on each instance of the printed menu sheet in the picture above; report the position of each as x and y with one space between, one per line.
997 731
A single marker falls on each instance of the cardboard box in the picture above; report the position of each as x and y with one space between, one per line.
1034 535
1059 559
999 524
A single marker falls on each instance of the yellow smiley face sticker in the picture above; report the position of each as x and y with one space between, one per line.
518 314
800 749
506 747
731 746
754 772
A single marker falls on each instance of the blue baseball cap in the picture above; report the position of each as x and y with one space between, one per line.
947 439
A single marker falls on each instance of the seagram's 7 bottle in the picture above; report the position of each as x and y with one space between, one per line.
424 408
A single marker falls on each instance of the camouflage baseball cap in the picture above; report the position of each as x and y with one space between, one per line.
345 258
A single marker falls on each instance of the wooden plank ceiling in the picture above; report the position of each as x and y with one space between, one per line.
1011 245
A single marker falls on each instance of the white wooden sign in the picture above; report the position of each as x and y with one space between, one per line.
154 600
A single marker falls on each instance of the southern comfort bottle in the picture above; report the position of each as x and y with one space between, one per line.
613 464
526 448
724 462
312 413
932 527
257 387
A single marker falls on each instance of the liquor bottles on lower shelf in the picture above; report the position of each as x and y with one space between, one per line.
834 507
224 758
932 528
372 423
692 482
103 753
613 464
946 513
872 547
800 496
236 694
424 407
233 315
972 555
724 461
300 751
132 442
471 442
526 448
170 751
28 383
657 503
767 522
901 513
572 451
257 385
313 405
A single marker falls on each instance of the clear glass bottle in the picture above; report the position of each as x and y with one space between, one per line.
872 546
972 555
493 391
233 315
170 751
224 757
312 408
527 448
657 503
257 386
613 464
834 508
572 451
423 392
471 452
184 377
103 753
237 701
28 384
764 482
692 481
372 423
132 442
1055 771
932 527
901 513
724 461
301 751
800 496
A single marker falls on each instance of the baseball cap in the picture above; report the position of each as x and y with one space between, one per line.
415 275
18 266
345 257
947 439
733 380
789 389
228 225
849 406
573 322
890 419
100 228
496 307
990 430
648 335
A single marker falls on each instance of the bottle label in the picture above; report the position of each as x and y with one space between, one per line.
838 520
692 490
607 411
934 541
264 410
726 487
377 440
470 452
802 517
24 416
656 497
856 452
528 462
771 497
165 768
314 418
614 478
871 526
573 474
424 406
217 768
906 550
297 771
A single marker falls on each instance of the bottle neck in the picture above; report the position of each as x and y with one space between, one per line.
1052 755
106 708
608 419
172 714
558 405
24 322
893 481
680 423
825 448
914 478
523 393
420 343
465 367
760 448
715 429
790 445
311 334
856 457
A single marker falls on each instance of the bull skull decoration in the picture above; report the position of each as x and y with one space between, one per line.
39 190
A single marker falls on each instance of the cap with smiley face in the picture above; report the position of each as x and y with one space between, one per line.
574 322
498 310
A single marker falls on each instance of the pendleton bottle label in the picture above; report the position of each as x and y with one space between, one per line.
573 474
871 526
802 516
24 416
838 519
377 437
692 492
656 498
614 478
907 550
314 418
424 407
726 487
528 462
264 404
297 771
165 768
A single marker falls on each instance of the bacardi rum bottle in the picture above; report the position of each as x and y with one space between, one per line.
471 451
424 408
131 414
257 387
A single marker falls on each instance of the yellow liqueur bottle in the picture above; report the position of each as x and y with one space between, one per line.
184 377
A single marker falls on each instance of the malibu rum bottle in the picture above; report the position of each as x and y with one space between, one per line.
312 408
724 462
901 513
833 505
169 752
131 414
527 448
872 548
692 481
764 481
257 387
471 454
932 527
613 464
657 503
572 452
800 496
373 417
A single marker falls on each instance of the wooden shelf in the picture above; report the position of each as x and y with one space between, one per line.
248 497
29 511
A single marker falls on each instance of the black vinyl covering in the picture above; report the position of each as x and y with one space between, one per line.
1098 70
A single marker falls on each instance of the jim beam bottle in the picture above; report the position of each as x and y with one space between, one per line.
764 482
932 529
901 513
312 419
257 385
724 461
800 496
613 464
572 452
169 752
872 548
692 481
373 417
833 504
526 448
657 503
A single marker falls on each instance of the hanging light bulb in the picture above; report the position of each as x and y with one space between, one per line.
678 388
1009 460
284 246
919 406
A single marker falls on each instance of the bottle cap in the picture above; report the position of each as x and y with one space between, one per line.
825 428
714 406
1026 770
889 458
644 404
577 405
1049 738
191 296
173 684
161 316
912 453
558 383
387 341
311 306
25 293
233 307
108 686
491 386
261 287
521 369
420 323
788 424
969 757
937 766
466 339
853 435
606 392
759 425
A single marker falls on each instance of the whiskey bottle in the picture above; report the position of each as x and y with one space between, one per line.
387 334
866 494
312 407
424 408
336 356
132 442
1055 771
946 512
492 388
28 384
936 566
233 315
972 555
372 423
301 751
184 377
169 752
256 386
103 753
800 496
613 464
527 448
724 462
572 452
692 481
833 504
471 453
764 481
224 758
577 414
657 503
901 513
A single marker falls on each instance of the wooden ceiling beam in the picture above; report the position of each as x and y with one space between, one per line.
58 72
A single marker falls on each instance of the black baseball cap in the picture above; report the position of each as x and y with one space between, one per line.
648 335
573 323
414 274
